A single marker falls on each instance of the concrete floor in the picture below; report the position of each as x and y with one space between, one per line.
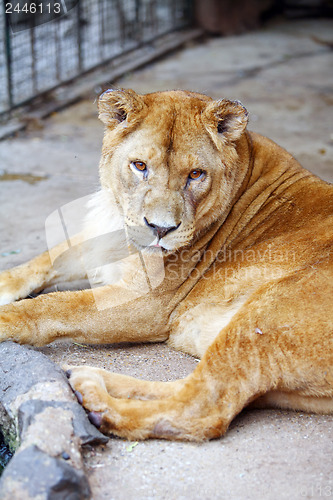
283 75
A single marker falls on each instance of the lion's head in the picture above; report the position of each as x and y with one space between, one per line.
172 162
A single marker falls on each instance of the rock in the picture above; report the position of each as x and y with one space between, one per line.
41 419
33 474
87 432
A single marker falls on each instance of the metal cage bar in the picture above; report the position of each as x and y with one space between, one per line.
43 56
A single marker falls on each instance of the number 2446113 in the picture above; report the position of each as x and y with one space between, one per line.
33 8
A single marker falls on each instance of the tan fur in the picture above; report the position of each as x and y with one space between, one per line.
244 278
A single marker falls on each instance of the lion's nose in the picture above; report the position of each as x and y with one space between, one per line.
160 231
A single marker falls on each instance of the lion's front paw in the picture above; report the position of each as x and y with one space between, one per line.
12 286
12 325
6 298
19 321
7 294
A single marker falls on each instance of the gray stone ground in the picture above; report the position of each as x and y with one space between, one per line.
283 74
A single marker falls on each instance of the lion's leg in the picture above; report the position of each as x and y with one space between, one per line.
90 316
201 407
232 374
123 386
168 417
294 401
268 346
39 273
19 282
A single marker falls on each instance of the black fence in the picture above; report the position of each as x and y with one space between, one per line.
48 43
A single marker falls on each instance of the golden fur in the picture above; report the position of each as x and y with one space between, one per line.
230 259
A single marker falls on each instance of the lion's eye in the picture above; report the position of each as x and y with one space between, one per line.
139 165
195 174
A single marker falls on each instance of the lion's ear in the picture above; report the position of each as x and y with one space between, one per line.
115 106
226 119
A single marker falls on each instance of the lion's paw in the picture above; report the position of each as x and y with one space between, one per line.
6 298
11 287
90 391
6 294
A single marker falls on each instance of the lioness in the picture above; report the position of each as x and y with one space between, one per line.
244 235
